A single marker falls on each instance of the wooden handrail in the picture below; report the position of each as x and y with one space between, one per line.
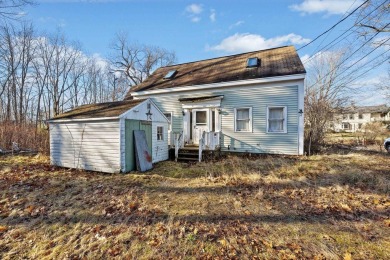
178 143
201 145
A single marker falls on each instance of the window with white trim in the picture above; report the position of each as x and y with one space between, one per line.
243 119
160 133
346 126
277 120
168 115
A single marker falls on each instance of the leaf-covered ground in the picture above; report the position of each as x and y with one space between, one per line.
269 207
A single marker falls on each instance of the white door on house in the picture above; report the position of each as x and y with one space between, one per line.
200 123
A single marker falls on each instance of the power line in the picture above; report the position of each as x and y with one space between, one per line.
341 63
346 12
331 28
349 29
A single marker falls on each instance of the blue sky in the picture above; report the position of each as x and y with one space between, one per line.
195 30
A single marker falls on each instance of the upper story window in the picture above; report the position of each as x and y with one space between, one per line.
345 116
243 119
277 120
252 62
170 74
360 116
351 116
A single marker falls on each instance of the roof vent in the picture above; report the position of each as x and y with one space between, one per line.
170 74
252 62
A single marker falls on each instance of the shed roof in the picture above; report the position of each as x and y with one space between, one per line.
100 110
273 62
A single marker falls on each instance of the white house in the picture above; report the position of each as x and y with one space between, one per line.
99 137
250 102
353 118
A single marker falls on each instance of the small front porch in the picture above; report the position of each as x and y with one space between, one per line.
208 146
201 131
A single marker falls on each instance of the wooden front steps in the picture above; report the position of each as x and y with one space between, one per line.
190 153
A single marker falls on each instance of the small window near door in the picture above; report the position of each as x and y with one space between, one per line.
201 117
160 133
169 117
243 119
277 120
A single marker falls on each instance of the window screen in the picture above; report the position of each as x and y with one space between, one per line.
276 120
242 119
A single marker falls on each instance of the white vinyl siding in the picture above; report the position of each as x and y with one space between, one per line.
160 147
243 119
276 119
86 145
259 97
160 133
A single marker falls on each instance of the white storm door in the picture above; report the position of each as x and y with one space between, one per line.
200 123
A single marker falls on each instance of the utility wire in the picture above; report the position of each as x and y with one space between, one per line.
349 29
331 28
346 12
341 63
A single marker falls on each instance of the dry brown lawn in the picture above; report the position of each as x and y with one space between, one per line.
328 206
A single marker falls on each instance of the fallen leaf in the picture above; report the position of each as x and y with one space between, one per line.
347 256
3 229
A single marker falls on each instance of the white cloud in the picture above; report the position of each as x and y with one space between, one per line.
325 6
250 42
213 15
195 19
194 9
305 58
100 61
236 24
51 20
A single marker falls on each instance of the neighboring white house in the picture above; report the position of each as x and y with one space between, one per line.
251 102
353 118
99 137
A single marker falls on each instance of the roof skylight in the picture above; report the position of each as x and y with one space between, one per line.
252 62
170 74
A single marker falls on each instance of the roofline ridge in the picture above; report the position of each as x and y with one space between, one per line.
226 56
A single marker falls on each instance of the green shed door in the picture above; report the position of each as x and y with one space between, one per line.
147 127
130 126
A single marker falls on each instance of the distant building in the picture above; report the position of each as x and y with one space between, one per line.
353 118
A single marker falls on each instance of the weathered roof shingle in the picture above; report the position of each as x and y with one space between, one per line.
99 110
273 62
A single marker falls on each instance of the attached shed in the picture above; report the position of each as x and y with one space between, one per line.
99 137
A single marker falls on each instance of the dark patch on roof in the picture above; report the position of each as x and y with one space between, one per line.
274 62
367 109
198 98
99 110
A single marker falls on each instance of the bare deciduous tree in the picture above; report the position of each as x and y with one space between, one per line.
374 17
326 89
137 61
12 9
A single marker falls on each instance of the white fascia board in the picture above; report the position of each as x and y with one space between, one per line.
124 113
220 85
146 100
81 119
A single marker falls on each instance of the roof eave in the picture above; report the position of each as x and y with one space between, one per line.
222 84
62 120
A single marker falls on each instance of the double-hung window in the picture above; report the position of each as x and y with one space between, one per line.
160 133
169 117
277 120
243 119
